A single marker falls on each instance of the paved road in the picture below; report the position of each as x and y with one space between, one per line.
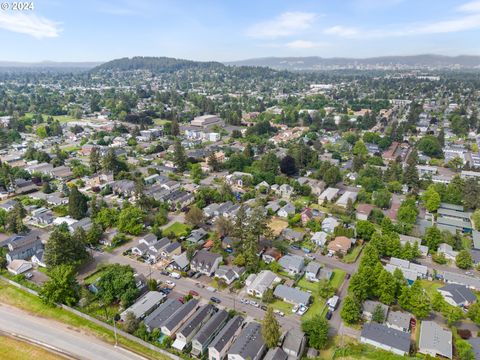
59 336
433 265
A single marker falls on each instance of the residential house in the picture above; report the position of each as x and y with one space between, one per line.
249 344
161 314
435 340
270 255
180 262
218 348
328 195
341 244
292 295
399 320
197 236
205 262
412 240
314 272
411 271
292 264
294 343
292 235
329 224
447 251
347 196
23 247
275 353
208 332
145 305
257 284
238 178
192 326
17 267
229 274
369 307
306 215
457 295
364 211
39 259
470 282
8 205
286 210
179 317
320 238
385 338
285 191
42 217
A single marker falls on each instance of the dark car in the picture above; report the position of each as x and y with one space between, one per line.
329 315
165 273
347 276
294 247
166 291
215 300
197 275
263 307
191 273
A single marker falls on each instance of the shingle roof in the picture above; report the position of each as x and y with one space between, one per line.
224 336
384 335
459 293
291 294
249 343
211 326
434 338
162 313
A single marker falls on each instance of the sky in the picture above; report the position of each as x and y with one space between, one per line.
227 30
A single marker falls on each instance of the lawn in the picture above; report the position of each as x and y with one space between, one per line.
277 225
337 278
282 306
307 285
60 118
13 349
352 255
90 279
177 228
431 286
317 307
16 297
160 121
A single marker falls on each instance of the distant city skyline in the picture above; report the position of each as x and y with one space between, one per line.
226 31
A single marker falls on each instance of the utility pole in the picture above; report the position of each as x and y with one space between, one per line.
115 319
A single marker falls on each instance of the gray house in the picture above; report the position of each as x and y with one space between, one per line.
291 295
293 264
399 321
249 344
205 262
179 317
208 332
145 305
161 314
23 247
221 343
457 295
294 344
386 338
190 328
435 340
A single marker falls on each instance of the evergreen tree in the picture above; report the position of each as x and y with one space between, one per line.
179 157
213 161
95 160
351 310
62 248
77 204
316 329
175 128
270 329
61 287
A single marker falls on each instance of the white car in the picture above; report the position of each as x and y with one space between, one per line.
28 275
310 256
295 308
175 275
302 310
170 283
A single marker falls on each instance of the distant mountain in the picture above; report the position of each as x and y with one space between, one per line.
48 64
385 62
155 64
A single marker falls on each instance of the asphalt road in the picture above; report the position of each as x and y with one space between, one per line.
58 336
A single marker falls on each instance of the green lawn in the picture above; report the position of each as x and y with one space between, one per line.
316 308
282 306
60 118
177 228
352 255
90 279
160 121
431 286
307 285
337 278
18 298
14 349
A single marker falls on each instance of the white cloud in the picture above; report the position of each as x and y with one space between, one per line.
30 24
342 31
286 24
472 6
304 44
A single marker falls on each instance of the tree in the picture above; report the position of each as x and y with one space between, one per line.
288 166
464 260
117 284
131 220
77 204
270 329
415 300
94 160
110 162
316 329
62 248
471 193
431 198
332 176
378 315
360 149
194 216
476 219
61 287
432 238
351 310
268 296
386 288
14 221
464 350
325 289
212 161
152 284
179 157
223 226
474 313
365 229
429 145
381 198
130 324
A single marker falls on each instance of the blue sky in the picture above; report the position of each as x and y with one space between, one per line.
223 30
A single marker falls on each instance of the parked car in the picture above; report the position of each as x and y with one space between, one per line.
263 307
182 300
166 291
215 300
191 273
170 283
200 285
197 275
310 256
193 293
294 247
165 273
328 315
175 275
302 310
295 308
347 276
28 275
278 312
211 289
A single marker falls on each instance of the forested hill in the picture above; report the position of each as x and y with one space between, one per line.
155 64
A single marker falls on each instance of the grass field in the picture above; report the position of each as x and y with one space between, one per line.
160 121
18 298
90 279
277 225
282 306
177 228
60 118
13 349
352 255
337 278
307 285
431 286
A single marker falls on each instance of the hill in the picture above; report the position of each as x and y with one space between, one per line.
385 62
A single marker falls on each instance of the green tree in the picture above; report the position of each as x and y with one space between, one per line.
64 249
474 313
316 329
431 198
117 284
325 289
61 287
179 157
360 149
194 216
14 221
270 329
268 296
131 323
464 260
332 176
386 288
378 314
476 219
77 204
94 160
351 310
131 220
432 238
